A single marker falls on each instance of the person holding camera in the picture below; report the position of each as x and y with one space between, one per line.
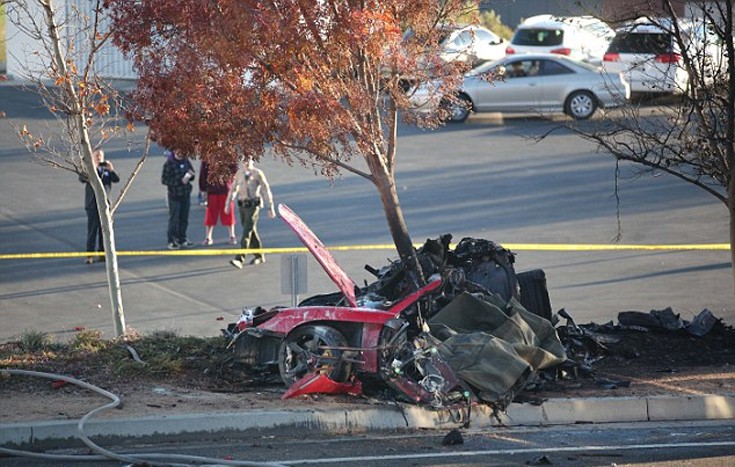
177 175
106 172
249 187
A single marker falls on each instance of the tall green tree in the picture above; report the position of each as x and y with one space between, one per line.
322 83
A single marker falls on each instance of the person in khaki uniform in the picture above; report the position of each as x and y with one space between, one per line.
249 187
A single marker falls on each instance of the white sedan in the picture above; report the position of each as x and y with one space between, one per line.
529 83
472 43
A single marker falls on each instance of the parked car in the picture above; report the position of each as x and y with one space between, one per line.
649 55
583 38
475 44
529 83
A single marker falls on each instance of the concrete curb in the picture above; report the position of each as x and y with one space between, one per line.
551 412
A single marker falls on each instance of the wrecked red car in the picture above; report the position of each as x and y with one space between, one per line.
406 337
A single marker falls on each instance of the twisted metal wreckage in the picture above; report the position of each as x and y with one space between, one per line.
475 331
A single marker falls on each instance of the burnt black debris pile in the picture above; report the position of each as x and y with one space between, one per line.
481 328
656 341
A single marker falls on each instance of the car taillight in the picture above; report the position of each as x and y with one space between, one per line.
668 58
509 51
562 51
611 57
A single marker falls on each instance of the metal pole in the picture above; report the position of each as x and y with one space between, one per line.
294 279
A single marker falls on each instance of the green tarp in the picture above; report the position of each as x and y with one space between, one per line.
494 345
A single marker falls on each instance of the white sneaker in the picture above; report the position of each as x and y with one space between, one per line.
236 263
186 244
173 246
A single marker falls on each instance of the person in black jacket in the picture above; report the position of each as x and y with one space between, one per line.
177 175
106 173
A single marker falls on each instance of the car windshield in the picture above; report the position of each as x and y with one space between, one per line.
641 43
538 37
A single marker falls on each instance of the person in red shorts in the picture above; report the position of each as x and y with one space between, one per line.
216 191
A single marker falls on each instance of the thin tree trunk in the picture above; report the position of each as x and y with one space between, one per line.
85 145
113 273
396 223
731 209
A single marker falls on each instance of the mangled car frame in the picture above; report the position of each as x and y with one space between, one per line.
473 328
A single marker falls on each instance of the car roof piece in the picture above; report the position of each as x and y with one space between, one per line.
538 19
320 252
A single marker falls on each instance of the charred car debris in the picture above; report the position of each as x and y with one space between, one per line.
476 331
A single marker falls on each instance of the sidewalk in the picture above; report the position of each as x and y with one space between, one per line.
345 418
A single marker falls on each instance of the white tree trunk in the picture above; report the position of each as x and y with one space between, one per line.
76 104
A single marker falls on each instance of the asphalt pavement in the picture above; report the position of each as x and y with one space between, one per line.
479 191
484 179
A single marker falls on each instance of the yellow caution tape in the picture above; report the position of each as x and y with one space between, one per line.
605 247
510 246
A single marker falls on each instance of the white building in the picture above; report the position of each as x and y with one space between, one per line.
27 56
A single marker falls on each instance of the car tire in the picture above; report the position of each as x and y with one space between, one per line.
580 105
458 110
300 353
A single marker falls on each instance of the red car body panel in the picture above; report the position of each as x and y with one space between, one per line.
320 252
362 326
289 318
316 382
371 320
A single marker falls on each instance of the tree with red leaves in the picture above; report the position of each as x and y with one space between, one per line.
320 83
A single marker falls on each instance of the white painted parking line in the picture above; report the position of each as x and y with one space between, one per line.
497 452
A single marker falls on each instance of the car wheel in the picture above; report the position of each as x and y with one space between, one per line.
459 109
580 105
313 348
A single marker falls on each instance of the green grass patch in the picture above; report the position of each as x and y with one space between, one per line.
32 341
161 356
